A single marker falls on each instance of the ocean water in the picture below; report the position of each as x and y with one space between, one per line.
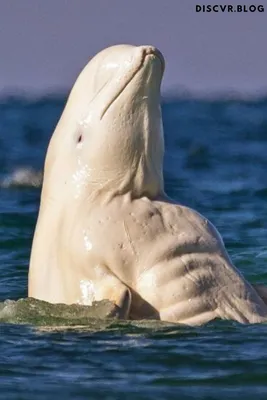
215 162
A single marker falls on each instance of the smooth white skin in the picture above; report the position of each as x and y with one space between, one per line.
106 229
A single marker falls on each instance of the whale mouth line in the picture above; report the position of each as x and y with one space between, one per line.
152 53
157 55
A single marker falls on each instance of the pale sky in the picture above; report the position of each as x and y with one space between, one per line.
45 43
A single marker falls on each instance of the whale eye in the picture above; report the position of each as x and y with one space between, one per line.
79 141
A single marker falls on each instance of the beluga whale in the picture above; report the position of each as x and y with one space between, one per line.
106 229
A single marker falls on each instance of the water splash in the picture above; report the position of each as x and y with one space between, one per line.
23 177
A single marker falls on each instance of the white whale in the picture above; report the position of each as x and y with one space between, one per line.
106 229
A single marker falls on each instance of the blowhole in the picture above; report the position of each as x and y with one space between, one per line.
80 138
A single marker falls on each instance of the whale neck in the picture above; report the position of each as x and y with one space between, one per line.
134 183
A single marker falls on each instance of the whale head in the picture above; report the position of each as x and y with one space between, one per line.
109 139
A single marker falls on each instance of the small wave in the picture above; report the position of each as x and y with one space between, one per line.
102 315
40 313
23 177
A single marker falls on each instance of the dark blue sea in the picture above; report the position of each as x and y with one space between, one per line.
215 162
